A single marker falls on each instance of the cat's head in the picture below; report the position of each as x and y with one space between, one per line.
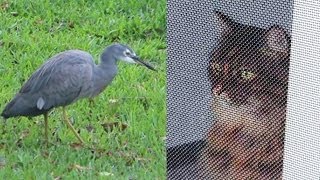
250 63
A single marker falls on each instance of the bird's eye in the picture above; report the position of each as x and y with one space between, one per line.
247 75
127 53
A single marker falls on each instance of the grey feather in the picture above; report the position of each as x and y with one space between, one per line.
40 103
60 80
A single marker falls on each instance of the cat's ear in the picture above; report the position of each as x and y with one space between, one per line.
278 39
224 22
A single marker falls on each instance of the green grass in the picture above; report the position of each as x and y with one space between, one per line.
30 33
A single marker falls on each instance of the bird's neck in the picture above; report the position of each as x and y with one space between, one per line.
103 75
107 67
107 60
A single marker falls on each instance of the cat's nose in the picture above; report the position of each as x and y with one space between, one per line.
226 68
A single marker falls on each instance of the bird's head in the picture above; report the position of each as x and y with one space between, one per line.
125 53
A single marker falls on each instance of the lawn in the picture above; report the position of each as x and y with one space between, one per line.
30 33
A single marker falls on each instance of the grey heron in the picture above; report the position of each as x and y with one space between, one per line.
65 78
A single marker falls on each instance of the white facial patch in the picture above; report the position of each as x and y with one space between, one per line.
128 59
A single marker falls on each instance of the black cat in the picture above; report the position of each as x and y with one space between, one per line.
248 72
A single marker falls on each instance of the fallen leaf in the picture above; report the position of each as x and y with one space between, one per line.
79 168
90 128
24 134
71 25
113 101
39 21
141 87
128 157
2 162
98 153
2 145
5 5
144 102
36 122
105 174
55 134
45 154
17 165
116 115
77 146
110 126
72 120
14 14
55 177
58 178
143 159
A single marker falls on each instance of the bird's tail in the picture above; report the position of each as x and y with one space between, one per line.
21 105
9 110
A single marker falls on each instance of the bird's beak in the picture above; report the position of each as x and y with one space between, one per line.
138 60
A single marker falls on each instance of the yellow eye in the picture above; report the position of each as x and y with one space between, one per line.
216 67
247 75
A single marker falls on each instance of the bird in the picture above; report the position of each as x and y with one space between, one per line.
65 78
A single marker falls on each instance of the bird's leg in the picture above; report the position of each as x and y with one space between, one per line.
91 103
65 118
4 125
45 115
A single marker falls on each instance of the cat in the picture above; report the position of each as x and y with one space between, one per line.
248 72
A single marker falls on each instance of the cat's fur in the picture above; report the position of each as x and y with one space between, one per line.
248 72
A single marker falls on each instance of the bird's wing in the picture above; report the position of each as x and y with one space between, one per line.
61 79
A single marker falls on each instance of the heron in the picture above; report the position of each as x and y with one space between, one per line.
65 78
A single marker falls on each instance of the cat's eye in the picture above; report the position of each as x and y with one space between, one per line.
267 51
216 67
247 75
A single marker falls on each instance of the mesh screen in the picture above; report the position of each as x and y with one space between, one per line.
228 68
